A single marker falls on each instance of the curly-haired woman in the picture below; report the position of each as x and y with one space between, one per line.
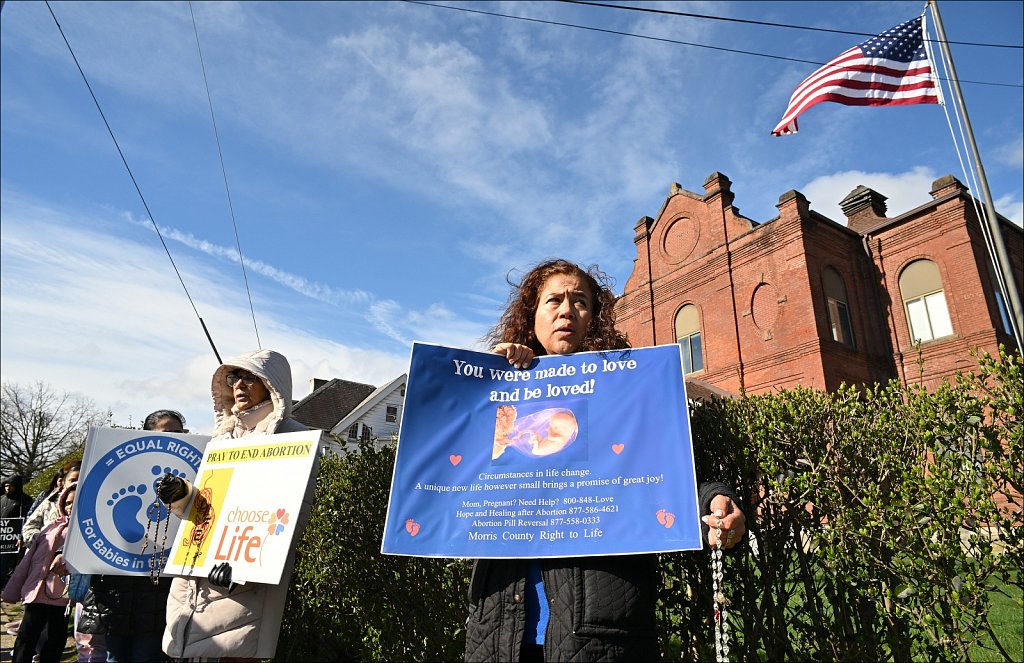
582 608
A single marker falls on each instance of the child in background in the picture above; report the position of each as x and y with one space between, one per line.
91 648
39 583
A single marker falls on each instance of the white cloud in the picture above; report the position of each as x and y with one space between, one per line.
435 324
94 312
449 119
904 191
1012 208
1011 153
299 284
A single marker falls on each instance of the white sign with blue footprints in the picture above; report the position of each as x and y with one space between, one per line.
118 526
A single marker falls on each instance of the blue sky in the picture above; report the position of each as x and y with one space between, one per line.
389 163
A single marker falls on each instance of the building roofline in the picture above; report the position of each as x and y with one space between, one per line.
929 206
367 403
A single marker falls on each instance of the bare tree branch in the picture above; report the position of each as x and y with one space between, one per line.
39 425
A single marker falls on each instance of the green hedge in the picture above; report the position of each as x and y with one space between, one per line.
875 535
349 602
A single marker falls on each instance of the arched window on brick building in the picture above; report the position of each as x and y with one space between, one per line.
925 301
688 337
838 307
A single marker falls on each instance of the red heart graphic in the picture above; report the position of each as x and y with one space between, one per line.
412 527
617 448
280 514
455 460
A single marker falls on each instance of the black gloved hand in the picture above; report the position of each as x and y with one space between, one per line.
171 488
220 575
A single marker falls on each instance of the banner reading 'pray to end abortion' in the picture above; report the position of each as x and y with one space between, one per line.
583 454
248 494
118 526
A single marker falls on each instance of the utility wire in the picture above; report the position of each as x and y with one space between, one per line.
612 32
768 23
224 172
660 39
134 181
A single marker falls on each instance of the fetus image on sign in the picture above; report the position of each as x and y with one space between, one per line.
534 435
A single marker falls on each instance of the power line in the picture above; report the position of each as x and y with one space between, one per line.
134 181
767 23
658 39
224 172
612 32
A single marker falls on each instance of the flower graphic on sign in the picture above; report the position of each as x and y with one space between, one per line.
278 520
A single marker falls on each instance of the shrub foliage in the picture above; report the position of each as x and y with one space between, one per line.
881 520
347 601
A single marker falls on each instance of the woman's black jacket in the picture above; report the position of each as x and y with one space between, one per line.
600 608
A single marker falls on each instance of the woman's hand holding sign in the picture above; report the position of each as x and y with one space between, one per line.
171 488
518 355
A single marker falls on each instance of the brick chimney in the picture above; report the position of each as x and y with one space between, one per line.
718 184
793 205
863 208
944 185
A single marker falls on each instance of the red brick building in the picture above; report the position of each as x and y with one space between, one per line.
803 300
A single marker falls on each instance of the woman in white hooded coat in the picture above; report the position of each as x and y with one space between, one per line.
252 395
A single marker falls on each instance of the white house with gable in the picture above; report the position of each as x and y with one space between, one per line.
377 417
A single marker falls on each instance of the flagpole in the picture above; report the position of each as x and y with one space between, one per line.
1000 258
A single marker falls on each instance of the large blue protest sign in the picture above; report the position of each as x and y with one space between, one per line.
118 527
583 454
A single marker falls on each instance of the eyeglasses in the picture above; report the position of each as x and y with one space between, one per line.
248 378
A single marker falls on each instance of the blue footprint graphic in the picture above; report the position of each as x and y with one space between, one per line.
157 510
127 504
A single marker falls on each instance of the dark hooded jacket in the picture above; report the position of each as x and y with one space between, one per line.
124 605
17 505
600 608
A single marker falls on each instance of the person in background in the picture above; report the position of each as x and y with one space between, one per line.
48 511
38 581
41 513
209 617
14 506
598 608
56 482
128 613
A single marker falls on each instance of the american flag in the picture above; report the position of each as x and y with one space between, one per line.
891 69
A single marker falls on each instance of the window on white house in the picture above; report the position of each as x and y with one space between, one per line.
367 433
392 414
925 301
688 338
353 432
838 308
